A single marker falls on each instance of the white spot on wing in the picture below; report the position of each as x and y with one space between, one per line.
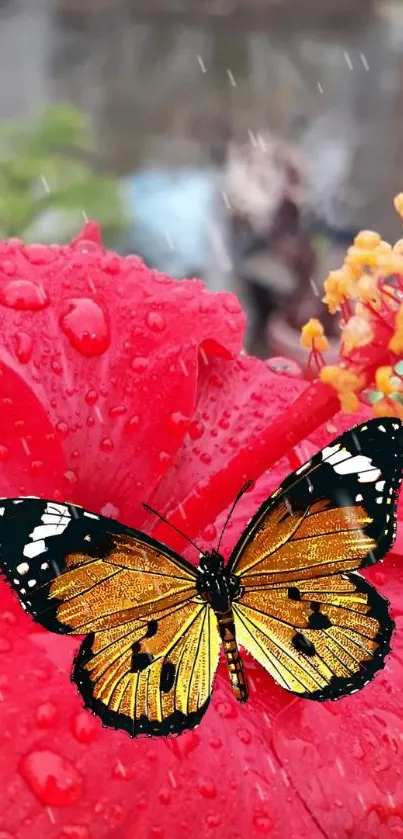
380 485
23 568
90 515
33 549
369 476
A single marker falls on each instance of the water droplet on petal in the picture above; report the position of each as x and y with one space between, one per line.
107 445
133 424
39 254
139 364
155 321
8 267
84 727
209 533
23 295
85 325
232 304
213 820
263 823
62 429
164 796
196 430
178 419
205 457
46 715
53 779
244 735
110 511
227 710
23 345
91 397
117 411
71 477
207 788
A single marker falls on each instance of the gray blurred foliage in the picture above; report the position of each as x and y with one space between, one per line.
48 185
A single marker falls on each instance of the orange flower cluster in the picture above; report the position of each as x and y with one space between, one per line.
367 292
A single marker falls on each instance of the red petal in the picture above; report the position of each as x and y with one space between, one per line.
112 349
235 401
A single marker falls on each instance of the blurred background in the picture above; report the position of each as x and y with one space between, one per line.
241 141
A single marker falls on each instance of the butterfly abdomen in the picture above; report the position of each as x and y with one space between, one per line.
237 676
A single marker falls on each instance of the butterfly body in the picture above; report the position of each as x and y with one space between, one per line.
290 592
220 589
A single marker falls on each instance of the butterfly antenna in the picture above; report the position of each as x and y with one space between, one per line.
173 526
240 494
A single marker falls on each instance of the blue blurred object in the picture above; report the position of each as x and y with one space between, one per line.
170 210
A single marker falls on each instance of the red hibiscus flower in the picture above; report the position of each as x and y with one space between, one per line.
120 386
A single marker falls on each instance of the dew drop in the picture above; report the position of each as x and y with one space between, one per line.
213 820
178 419
84 727
196 430
85 325
36 467
139 364
232 305
56 367
262 823
155 322
71 477
205 458
9 618
164 796
223 423
46 715
39 254
227 710
209 533
62 429
133 424
8 267
110 511
117 411
23 295
107 445
207 788
91 397
23 346
53 779
111 264
244 735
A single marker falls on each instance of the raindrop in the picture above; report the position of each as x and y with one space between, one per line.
23 295
139 364
117 411
107 445
209 533
227 710
85 325
110 511
205 458
165 796
207 788
133 423
62 429
84 727
4 453
262 823
223 423
213 820
196 430
39 254
46 715
23 345
216 743
155 322
53 779
91 397
71 477
178 419
244 736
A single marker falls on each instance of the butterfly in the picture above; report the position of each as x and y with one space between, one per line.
290 593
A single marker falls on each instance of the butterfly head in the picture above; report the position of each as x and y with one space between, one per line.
215 584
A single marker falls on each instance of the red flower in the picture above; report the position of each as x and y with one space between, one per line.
120 386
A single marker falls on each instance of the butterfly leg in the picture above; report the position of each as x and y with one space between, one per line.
236 671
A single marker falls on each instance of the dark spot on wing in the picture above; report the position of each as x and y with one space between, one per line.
140 661
152 627
167 678
317 620
294 593
303 644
